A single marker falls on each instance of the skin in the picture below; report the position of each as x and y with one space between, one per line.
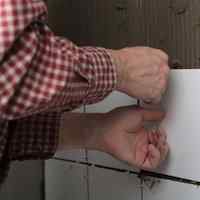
142 73
120 133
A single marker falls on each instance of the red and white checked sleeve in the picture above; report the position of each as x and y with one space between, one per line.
41 75
41 72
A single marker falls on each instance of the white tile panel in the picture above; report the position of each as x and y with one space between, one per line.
182 123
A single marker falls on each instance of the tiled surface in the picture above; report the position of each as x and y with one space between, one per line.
182 124
78 155
108 185
175 191
65 181
115 100
23 181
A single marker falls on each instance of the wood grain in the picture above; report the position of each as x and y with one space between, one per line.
171 25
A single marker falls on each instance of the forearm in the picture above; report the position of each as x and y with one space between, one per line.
49 73
81 131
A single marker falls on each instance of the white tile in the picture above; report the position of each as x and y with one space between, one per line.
175 191
109 185
72 154
65 181
182 124
116 99
78 155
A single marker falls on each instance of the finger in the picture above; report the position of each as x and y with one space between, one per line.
152 138
161 54
154 156
163 145
157 100
153 159
164 150
140 156
163 134
158 138
166 69
151 115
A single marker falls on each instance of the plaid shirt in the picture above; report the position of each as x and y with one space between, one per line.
41 75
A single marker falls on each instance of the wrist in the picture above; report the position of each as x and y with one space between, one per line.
81 131
118 60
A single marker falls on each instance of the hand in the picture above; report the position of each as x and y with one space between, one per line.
125 137
120 133
142 72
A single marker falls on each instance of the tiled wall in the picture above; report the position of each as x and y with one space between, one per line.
77 181
24 182
172 25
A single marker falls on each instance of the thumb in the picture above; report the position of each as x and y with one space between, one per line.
152 115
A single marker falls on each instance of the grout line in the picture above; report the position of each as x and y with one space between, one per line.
87 168
140 174
168 177
43 184
88 179
141 189
98 166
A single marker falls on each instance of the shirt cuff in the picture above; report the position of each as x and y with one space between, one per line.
34 137
97 66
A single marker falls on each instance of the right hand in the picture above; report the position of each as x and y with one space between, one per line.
142 72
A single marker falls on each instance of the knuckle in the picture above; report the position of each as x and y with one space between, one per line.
156 68
162 54
153 94
162 85
165 70
147 50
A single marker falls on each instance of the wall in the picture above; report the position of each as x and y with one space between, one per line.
172 25
24 182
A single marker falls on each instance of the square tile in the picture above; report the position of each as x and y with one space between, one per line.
110 185
64 180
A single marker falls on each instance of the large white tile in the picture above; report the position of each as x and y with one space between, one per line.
77 154
182 123
114 100
65 181
110 185
175 191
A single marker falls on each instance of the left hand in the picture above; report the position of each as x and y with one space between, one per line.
126 138
120 133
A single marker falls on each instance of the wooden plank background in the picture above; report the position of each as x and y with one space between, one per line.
172 25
